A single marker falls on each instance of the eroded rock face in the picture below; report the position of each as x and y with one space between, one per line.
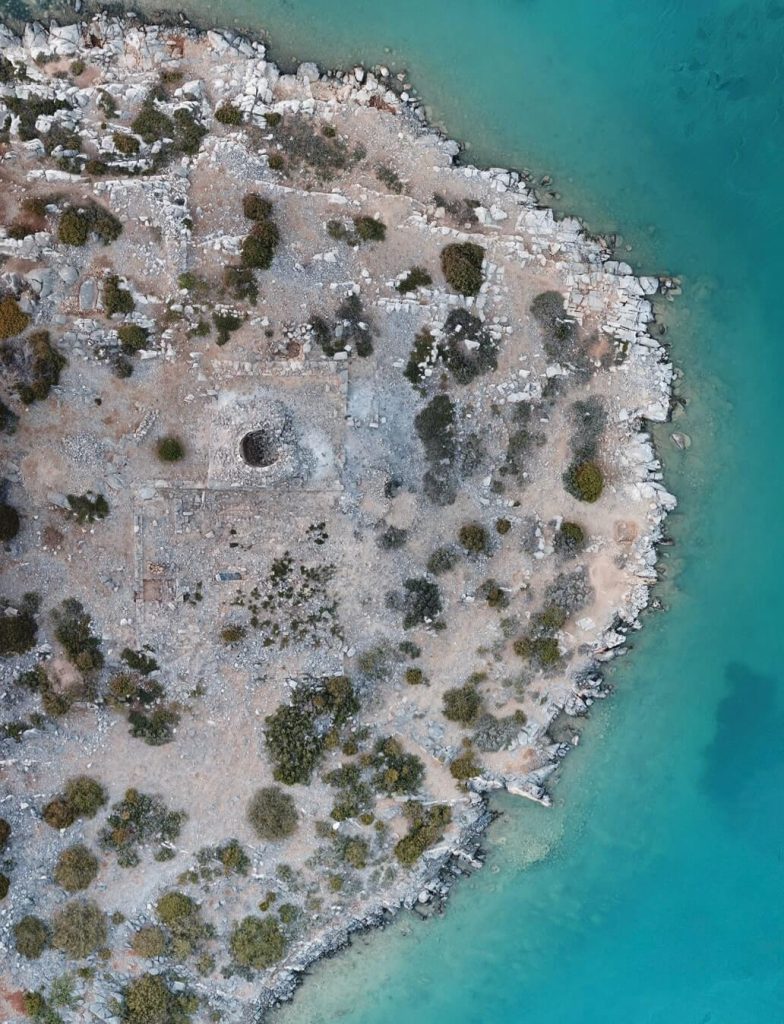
331 468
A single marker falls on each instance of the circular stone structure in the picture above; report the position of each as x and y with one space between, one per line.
260 448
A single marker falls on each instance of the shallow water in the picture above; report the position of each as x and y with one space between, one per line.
652 891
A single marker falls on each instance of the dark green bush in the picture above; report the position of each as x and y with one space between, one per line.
148 999
396 771
116 299
417 277
257 942
462 704
502 526
474 539
188 132
543 650
31 936
461 263
73 631
86 508
273 814
558 328
389 177
77 68
569 539
258 248
414 676
132 337
155 727
182 917
468 350
170 449
227 113
392 538
369 229
241 283
76 868
443 559
44 363
584 480
137 820
256 207
435 425
78 223
85 795
9 522
17 632
152 124
421 602
5 833
79 929
139 661
427 826
12 319
225 324
8 419
495 595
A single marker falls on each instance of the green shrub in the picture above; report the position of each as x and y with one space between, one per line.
155 727
5 833
149 941
45 365
116 299
126 145
569 539
414 676
76 868
188 132
17 632
427 826
273 119
465 766
495 595
77 68
435 425
474 538
241 283
417 277
443 559
272 814
392 538
8 419
462 704
58 813
85 795
31 936
468 349
233 634
77 223
256 207
558 328
170 449
148 999
543 650
139 661
258 248
584 480
461 263
137 820
275 160
86 508
182 917
12 319
396 771
225 324
74 227
152 124
389 177
79 929
502 526
9 522
132 337
227 113
421 601
369 229
73 631
257 942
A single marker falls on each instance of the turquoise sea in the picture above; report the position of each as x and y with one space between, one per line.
653 892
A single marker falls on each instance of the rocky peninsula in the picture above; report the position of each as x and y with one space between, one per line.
327 491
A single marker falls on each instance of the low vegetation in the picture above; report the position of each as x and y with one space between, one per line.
76 868
257 942
79 928
272 814
426 828
140 820
461 263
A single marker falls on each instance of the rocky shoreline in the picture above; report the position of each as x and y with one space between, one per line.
595 283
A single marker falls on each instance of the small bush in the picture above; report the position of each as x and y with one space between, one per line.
73 630
77 68
543 650
227 113
148 999
74 227
79 929
76 868
502 526
462 704
414 676
421 602
58 813
31 936
17 632
389 177
116 299
149 941
258 248
139 819
86 508
152 124
233 634
256 207
369 229
5 833
443 559
396 771
9 522
132 337
272 814
225 324
495 595
85 795
275 160
417 277
427 829
12 319
584 480
392 538
461 263
45 364
257 942
77 223
569 539
241 283
126 145
474 538
170 449
465 766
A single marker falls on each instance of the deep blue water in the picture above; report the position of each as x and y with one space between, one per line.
652 892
